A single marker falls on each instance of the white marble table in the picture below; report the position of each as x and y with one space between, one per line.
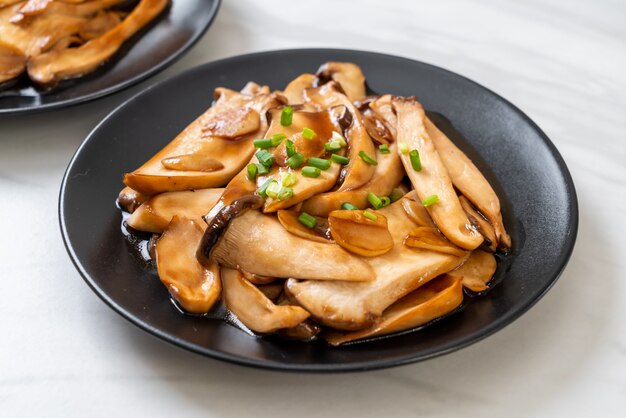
63 353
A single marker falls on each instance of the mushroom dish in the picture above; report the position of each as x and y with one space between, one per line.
316 212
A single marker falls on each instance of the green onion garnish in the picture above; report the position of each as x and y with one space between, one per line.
253 170
296 160
262 143
338 138
311 172
384 149
285 193
265 158
396 194
286 116
414 155
370 215
273 189
386 201
277 139
307 220
374 200
404 148
308 133
349 206
332 146
320 163
262 191
290 147
369 160
430 200
339 159
261 169
289 179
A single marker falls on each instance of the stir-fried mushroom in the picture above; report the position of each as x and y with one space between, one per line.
477 271
12 62
347 74
130 199
294 92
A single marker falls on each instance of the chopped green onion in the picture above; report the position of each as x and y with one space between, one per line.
277 139
384 149
320 163
349 206
369 160
261 169
265 158
374 200
285 193
338 138
290 147
289 179
308 133
339 159
370 215
273 189
311 172
262 191
286 116
430 200
262 143
296 160
307 220
386 201
404 148
396 194
332 146
253 170
414 155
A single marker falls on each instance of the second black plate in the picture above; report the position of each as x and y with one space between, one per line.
536 190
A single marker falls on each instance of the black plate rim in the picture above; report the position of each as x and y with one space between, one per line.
144 75
487 331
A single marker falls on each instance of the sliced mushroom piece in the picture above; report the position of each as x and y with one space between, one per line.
477 271
191 162
195 287
416 211
354 306
49 68
130 199
360 234
254 309
258 244
289 220
427 238
156 213
258 280
470 181
481 224
99 25
252 89
347 74
233 122
429 302
12 62
153 177
271 291
383 107
432 178
306 331
294 92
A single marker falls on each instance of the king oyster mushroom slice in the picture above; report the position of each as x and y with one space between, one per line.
357 172
477 271
481 224
470 181
156 213
353 306
252 89
431 301
194 286
12 62
233 154
294 92
254 309
258 244
347 74
49 68
130 199
433 178
383 107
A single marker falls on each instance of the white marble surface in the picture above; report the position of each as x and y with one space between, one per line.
63 353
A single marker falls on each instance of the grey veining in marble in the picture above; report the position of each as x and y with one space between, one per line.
63 353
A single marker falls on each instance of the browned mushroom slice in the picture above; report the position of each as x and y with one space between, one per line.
12 62
431 301
294 92
416 211
153 177
289 220
233 123
432 179
51 67
252 89
156 213
477 271
470 181
99 25
481 224
271 291
65 7
360 234
254 309
383 107
353 306
195 287
305 331
258 244
427 238
257 279
348 75
130 199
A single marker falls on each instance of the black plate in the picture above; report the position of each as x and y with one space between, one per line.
538 196
148 52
